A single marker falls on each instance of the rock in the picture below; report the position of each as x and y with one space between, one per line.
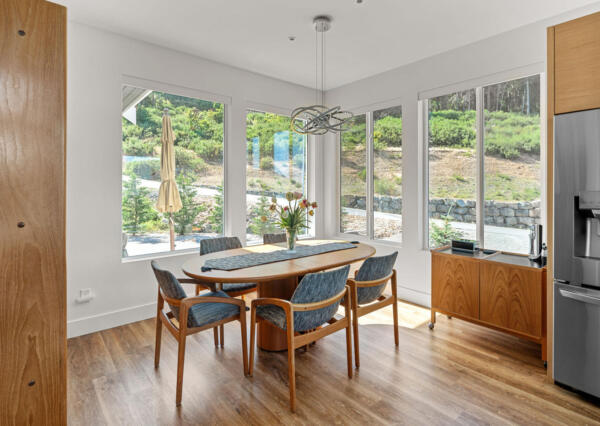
522 212
507 212
510 221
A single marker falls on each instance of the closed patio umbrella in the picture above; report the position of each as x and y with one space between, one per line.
168 194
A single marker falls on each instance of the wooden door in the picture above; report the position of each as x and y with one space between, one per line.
577 64
511 297
32 213
455 285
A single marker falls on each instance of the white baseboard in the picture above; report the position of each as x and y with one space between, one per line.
91 324
410 295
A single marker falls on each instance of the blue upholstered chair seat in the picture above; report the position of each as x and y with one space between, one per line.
237 286
206 313
274 314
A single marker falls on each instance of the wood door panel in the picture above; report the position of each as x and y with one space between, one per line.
455 285
32 194
511 298
577 64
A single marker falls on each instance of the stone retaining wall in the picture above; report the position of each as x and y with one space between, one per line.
519 214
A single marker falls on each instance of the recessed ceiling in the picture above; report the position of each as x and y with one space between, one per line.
365 39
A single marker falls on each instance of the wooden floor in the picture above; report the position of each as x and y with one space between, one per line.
457 374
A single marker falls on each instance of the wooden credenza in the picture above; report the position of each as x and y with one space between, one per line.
502 291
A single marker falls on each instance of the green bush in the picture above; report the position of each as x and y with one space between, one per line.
148 169
187 162
387 132
386 187
137 147
209 150
362 175
266 163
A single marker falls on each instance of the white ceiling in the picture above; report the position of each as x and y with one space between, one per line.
366 38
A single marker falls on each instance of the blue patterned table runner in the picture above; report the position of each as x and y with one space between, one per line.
254 259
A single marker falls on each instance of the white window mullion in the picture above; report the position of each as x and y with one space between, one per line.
479 155
370 170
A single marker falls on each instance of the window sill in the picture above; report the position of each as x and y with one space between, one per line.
161 255
363 239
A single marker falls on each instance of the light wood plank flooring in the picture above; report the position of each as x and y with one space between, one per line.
457 374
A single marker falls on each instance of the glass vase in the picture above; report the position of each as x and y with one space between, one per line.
291 235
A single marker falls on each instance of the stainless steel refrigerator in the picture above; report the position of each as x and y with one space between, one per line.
577 250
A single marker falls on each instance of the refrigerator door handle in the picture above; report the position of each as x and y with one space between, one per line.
580 297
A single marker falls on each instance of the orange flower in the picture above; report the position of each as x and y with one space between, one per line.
311 212
263 218
314 205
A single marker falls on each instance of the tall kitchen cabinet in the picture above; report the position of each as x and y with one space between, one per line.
573 76
32 212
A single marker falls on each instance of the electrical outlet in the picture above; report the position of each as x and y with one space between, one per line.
85 295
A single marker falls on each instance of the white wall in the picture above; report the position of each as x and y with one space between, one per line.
509 55
97 64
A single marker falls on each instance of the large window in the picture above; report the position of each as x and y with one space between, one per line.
198 147
452 167
503 147
276 164
353 178
371 175
387 174
512 163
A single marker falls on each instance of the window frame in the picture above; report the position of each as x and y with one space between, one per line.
308 162
370 181
173 89
479 86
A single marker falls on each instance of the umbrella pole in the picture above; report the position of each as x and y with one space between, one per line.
172 231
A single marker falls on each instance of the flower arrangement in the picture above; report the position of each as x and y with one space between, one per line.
293 217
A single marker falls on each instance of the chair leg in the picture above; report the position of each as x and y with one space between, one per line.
197 290
216 333
244 341
180 361
396 337
347 312
395 296
252 341
291 368
222 333
356 348
158 341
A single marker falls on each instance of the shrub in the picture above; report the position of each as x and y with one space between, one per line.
362 175
441 235
148 169
387 132
136 205
209 150
137 147
386 187
187 162
266 163
187 216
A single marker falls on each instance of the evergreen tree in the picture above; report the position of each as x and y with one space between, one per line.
256 225
215 218
137 207
190 208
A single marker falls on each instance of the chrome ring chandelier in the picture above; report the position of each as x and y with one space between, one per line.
320 119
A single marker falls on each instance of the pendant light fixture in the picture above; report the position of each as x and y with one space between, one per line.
319 119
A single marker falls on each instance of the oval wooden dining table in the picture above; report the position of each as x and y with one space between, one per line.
277 279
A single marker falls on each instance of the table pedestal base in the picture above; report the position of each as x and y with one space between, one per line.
271 338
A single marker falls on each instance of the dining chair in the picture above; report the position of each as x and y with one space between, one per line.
313 304
189 315
274 238
213 245
367 293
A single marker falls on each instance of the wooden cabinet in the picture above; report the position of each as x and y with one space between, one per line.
577 64
456 285
511 297
502 291
33 341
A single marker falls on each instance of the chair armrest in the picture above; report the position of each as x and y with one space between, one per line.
210 286
352 282
321 304
194 300
286 305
